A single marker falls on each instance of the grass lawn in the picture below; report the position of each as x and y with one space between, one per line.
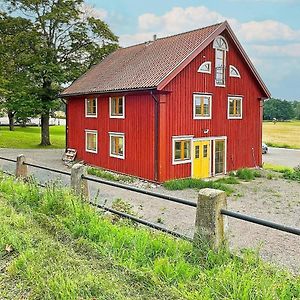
54 246
282 134
29 137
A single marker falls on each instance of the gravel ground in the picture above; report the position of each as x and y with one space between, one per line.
276 200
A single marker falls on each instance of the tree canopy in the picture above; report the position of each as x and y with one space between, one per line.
278 109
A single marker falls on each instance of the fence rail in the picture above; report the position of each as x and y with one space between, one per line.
209 217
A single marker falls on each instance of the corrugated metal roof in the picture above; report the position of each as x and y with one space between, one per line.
141 66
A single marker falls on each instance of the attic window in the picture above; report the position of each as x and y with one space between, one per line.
205 67
221 47
234 72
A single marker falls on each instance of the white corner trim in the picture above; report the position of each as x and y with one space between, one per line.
95 132
110 112
117 134
235 69
180 138
85 108
231 117
203 71
194 107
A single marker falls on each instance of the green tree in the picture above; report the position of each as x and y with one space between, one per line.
296 106
69 41
279 109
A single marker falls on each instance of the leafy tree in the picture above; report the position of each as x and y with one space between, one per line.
296 105
68 42
279 109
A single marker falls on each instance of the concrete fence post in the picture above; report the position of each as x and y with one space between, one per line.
210 223
78 184
21 168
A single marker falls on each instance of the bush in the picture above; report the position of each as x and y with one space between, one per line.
247 174
98 172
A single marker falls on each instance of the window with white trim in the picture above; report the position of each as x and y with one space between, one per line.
205 67
202 106
117 145
221 47
181 150
117 107
234 72
91 141
91 107
235 107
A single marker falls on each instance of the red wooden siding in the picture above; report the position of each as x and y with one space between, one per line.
243 135
138 127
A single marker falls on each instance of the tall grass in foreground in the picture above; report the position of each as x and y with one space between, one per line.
159 262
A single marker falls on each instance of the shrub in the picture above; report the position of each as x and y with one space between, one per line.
98 172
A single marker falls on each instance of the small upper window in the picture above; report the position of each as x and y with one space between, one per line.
117 145
220 45
91 141
181 150
205 67
235 107
234 72
91 107
117 107
202 106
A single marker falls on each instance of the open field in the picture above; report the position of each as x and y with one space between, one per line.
29 137
282 134
55 247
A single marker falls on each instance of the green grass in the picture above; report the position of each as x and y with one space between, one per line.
192 183
29 137
282 134
109 175
63 249
247 174
287 173
276 168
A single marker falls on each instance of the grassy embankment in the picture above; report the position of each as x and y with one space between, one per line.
282 134
29 137
53 246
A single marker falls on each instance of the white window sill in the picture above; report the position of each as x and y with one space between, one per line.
117 156
180 162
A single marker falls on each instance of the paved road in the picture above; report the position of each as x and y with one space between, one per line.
283 157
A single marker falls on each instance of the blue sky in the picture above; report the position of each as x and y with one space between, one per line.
269 30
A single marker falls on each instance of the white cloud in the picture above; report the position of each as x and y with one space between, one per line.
91 11
289 50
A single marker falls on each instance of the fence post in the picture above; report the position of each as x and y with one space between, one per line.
78 184
210 223
21 168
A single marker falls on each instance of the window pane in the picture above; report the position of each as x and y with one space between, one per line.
206 105
197 152
204 150
120 144
231 107
238 108
120 106
117 106
182 150
91 141
187 150
178 150
91 106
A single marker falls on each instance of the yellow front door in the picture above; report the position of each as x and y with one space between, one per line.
201 159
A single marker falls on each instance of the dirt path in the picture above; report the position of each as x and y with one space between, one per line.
276 200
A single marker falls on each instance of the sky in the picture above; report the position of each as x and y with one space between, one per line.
269 30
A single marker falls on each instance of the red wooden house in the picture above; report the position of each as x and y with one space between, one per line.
188 105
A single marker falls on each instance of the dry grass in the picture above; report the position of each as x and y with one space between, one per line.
282 134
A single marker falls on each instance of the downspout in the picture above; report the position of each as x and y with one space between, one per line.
66 132
156 115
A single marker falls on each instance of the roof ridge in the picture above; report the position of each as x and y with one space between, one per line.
170 36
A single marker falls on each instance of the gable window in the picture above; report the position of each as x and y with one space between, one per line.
221 47
234 72
91 107
202 106
117 107
91 141
235 108
205 67
181 150
117 145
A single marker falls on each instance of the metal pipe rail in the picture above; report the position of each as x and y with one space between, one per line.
141 191
262 222
141 221
8 159
47 169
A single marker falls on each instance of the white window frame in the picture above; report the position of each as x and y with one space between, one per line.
195 117
228 115
181 138
86 110
110 107
117 134
233 68
95 132
216 47
209 67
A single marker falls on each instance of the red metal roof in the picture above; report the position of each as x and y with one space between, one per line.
150 65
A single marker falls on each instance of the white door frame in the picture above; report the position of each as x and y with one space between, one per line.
212 146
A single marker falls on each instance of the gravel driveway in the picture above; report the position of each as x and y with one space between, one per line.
276 200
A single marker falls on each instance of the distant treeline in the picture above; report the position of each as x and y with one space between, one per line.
281 109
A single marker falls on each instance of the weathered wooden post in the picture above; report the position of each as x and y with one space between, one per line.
21 168
210 223
78 184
